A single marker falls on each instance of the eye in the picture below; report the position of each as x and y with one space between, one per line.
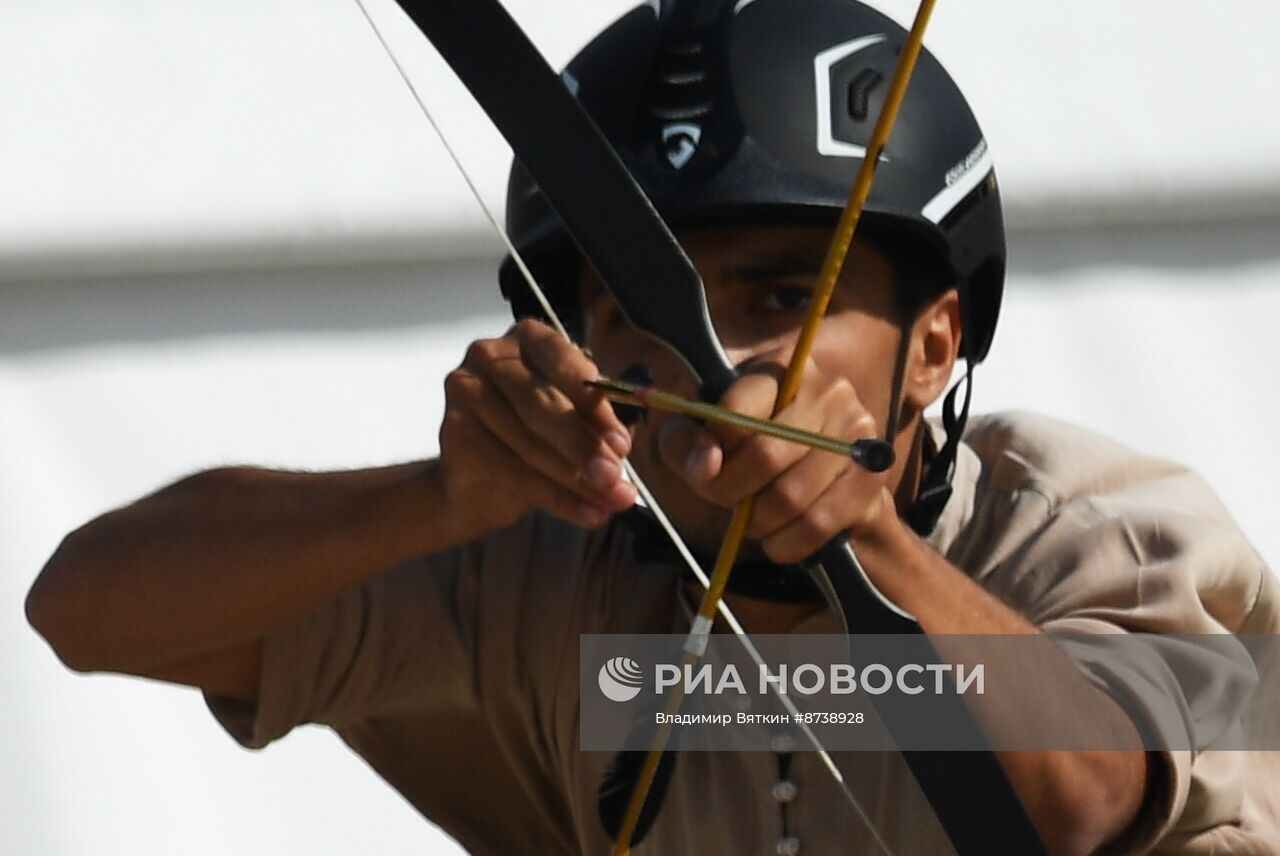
787 298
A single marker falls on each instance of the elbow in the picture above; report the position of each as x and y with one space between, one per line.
1095 809
87 602
42 615
52 611
1080 831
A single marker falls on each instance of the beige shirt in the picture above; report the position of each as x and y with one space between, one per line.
455 676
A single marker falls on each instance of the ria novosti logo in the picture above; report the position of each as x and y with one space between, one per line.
620 679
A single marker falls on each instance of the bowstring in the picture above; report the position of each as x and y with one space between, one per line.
730 547
634 477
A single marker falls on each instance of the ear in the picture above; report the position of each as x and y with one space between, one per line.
933 350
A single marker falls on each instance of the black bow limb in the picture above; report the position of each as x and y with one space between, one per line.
631 249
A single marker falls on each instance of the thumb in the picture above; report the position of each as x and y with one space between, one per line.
689 449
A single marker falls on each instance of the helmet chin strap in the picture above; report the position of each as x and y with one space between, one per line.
935 486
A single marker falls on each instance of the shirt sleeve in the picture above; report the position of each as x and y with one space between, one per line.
401 640
488 628
1158 557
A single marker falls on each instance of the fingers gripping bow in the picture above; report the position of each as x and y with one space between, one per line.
574 166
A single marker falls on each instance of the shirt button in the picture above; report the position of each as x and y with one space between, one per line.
789 846
784 791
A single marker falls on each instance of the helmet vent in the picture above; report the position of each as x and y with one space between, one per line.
692 122
860 88
680 90
681 78
674 114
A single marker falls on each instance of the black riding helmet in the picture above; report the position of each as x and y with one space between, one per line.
759 111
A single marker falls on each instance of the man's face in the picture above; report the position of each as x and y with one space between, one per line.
759 281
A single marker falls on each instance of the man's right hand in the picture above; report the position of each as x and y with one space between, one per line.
183 584
522 431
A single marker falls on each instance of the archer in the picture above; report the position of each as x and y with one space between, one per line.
426 611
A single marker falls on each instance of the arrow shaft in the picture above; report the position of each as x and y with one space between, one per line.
626 393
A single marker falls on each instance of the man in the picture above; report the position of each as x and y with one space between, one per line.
430 612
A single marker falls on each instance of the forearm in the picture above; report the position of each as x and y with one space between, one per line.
1078 799
220 558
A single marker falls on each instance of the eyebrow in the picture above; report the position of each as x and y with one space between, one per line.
769 268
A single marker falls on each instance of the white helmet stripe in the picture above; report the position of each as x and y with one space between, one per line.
976 168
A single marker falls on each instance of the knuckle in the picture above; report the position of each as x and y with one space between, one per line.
766 454
545 399
843 397
864 424
480 351
774 454
788 500
457 384
539 341
819 525
771 514
566 364
844 388
526 329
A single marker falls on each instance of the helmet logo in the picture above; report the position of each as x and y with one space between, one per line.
680 141
823 66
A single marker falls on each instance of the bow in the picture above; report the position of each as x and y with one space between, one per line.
631 248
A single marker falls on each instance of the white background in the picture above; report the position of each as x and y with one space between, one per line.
227 235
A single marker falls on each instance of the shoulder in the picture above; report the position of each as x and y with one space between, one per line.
1063 462
1089 523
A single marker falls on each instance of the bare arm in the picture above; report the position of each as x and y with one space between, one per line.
1078 799
182 584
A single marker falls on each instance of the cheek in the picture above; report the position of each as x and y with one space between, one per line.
862 349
